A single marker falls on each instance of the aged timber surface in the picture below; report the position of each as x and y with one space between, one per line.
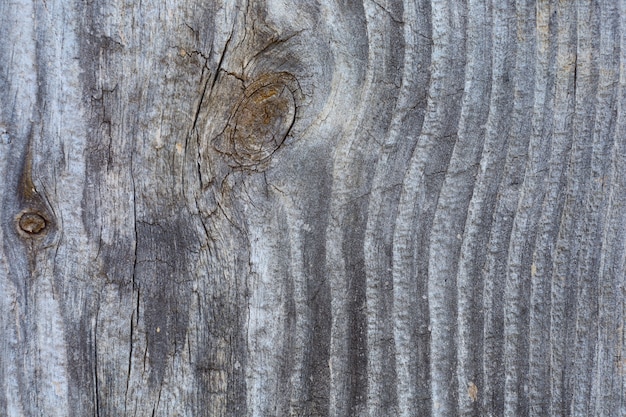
313 208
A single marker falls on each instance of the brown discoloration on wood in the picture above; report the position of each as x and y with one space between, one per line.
26 190
34 220
472 391
32 223
260 122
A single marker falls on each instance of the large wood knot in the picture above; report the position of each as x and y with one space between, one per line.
261 121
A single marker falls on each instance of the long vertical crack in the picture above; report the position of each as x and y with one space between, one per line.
193 127
135 315
95 365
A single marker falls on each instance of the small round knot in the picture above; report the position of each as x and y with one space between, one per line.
32 223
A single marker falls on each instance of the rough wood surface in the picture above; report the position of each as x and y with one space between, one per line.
313 208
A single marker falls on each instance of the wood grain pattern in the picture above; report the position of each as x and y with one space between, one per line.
313 208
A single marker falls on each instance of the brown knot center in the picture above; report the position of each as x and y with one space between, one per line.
262 120
32 223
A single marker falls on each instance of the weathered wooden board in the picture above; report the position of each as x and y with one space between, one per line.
312 208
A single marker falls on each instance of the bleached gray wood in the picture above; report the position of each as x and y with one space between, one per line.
313 208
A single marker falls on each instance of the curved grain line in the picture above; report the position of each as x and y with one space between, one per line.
480 213
441 273
559 218
409 321
299 376
422 181
523 232
399 142
612 273
450 216
523 78
606 382
344 237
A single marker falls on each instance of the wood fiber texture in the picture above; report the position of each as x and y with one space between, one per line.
312 208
